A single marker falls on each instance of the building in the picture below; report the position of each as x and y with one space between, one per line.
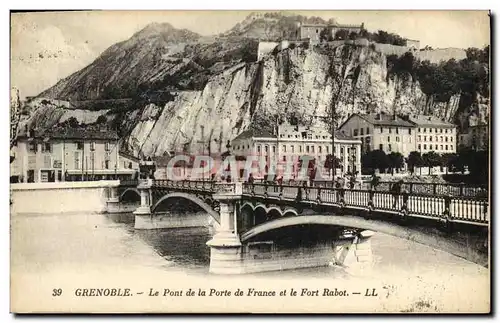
313 31
292 142
386 132
71 154
476 137
434 134
412 43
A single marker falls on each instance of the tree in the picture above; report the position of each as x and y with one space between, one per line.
375 159
341 34
325 35
329 163
73 122
448 160
396 160
101 119
353 35
414 160
431 159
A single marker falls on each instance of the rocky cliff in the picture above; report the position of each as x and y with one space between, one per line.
184 91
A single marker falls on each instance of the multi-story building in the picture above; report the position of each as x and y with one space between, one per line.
69 155
292 142
476 137
433 134
386 132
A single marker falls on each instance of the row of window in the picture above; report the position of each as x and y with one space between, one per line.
47 147
436 138
436 147
308 136
436 130
291 149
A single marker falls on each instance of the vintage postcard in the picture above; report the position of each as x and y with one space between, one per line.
250 162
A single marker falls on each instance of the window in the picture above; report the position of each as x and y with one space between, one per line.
355 132
419 147
397 131
79 145
327 149
441 138
390 130
441 130
47 161
32 147
266 149
46 147
425 138
258 149
317 137
445 130
309 136
106 164
441 147
300 149
451 139
436 138
362 131
381 147
307 149
284 158
367 130
319 149
409 131
397 139
381 129
446 139
446 147
341 150
312 149
390 147
425 130
419 130
77 159
425 146
274 149
290 136
284 148
292 147
388 139
419 138
430 138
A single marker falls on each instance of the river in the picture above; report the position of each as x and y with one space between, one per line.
70 251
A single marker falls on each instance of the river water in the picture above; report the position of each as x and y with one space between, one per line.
70 251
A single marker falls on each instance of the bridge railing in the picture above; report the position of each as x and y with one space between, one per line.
458 208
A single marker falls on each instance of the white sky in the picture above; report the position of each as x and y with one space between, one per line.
46 47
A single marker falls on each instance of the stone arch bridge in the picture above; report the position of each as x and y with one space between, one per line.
253 222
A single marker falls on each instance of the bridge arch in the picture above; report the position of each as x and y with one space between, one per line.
129 192
432 240
207 208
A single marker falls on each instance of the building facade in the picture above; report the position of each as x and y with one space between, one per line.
433 134
313 31
290 143
403 134
476 137
69 155
381 131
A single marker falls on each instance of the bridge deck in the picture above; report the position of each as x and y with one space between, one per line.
464 209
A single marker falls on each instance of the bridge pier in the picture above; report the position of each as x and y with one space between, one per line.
225 246
354 254
143 215
113 202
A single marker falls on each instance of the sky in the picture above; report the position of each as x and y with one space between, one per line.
48 46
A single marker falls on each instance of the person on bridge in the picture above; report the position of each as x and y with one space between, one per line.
396 191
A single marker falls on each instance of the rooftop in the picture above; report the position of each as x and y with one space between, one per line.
421 120
384 119
73 134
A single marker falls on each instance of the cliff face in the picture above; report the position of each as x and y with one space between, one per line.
298 81
183 91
